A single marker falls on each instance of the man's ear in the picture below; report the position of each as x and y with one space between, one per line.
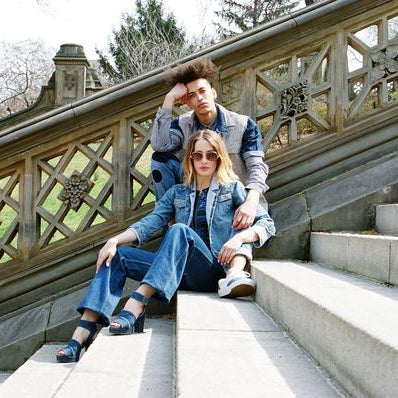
214 93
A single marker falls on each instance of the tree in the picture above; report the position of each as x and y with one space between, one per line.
145 40
239 16
25 66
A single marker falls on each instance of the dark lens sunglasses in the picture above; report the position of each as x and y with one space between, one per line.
210 156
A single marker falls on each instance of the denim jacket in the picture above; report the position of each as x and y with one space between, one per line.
241 135
222 201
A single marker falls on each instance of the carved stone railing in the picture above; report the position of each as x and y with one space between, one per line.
71 178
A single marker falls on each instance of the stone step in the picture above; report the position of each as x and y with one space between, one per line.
139 365
39 377
373 256
347 323
387 219
231 348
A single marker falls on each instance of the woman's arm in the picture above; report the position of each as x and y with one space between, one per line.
108 251
228 250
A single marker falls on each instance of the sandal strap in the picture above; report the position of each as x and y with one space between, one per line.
88 325
139 297
72 347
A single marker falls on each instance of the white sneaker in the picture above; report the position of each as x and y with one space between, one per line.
236 284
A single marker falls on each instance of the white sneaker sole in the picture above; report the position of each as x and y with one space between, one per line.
239 288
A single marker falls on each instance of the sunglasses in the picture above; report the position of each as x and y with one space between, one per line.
211 156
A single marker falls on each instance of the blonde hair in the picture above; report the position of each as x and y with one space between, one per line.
224 172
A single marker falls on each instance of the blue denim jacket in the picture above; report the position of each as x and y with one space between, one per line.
222 201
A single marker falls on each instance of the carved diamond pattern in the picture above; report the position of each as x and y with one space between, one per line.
64 203
9 215
369 86
288 98
140 169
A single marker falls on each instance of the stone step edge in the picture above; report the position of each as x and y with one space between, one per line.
373 256
286 304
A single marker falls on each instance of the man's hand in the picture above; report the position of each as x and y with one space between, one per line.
178 94
106 253
228 251
246 212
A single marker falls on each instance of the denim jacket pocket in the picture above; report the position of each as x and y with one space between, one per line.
178 203
224 197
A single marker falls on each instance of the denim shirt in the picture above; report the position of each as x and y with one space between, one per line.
222 201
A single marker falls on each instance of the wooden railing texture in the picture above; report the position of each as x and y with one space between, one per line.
308 75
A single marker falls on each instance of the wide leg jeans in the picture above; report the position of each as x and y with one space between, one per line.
183 261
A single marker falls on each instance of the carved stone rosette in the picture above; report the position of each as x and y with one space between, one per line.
384 62
294 100
75 190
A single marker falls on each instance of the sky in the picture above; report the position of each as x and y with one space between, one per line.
90 22
87 22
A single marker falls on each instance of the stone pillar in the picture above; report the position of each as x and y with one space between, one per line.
71 66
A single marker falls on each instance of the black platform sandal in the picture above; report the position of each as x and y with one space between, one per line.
71 352
128 322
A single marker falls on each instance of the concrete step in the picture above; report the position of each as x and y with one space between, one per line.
373 256
39 377
231 348
347 323
139 365
387 219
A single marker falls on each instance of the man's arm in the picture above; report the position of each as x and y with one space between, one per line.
166 134
252 152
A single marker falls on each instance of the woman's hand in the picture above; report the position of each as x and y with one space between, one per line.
106 253
228 251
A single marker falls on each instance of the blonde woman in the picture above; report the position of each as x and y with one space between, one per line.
200 252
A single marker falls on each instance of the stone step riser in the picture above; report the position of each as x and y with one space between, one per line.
387 219
339 324
368 255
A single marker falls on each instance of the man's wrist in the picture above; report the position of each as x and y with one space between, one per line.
168 102
253 196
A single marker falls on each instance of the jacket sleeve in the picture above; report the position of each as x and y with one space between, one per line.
163 212
263 224
252 152
166 133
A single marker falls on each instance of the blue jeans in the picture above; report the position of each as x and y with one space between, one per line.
183 261
166 171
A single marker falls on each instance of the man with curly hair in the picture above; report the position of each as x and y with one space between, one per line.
192 85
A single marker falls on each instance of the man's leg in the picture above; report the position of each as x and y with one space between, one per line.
166 171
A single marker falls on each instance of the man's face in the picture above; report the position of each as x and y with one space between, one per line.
201 97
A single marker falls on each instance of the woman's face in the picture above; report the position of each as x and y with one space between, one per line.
204 166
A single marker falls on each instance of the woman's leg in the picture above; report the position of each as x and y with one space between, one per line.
107 286
183 260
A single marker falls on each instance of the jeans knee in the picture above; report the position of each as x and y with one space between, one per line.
178 227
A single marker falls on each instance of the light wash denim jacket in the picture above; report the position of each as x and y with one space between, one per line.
222 201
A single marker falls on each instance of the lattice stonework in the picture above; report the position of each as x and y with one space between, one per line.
292 97
74 188
372 62
9 215
140 168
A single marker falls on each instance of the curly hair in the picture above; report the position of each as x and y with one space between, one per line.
201 68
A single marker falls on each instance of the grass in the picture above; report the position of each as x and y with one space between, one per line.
52 203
